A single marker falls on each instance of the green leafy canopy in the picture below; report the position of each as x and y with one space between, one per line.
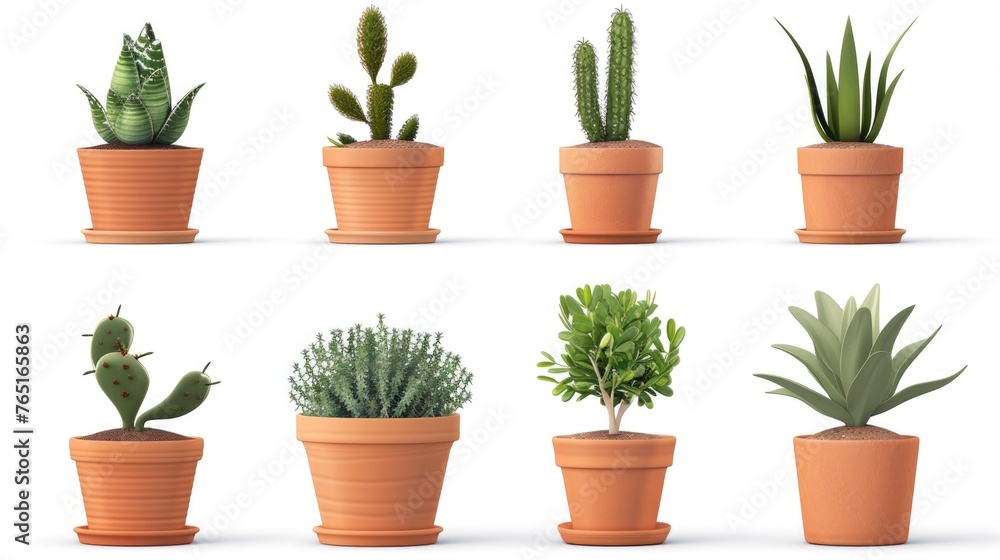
614 350
139 109
850 115
852 360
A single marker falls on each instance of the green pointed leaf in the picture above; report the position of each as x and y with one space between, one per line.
829 312
865 394
114 106
866 96
125 79
818 402
100 118
872 303
849 90
178 119
887 338
148 55
902 360
915 391
882 110
134 126
850 308
826 344
821 123
856 347
408 132
882 94
153 95
547 378
832 98
826 379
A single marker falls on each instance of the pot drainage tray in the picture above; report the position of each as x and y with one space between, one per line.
382 237
344 537
614 538
850 237
136 538
610 237
139 237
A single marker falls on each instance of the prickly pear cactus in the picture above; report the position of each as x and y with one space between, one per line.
125 382
190 392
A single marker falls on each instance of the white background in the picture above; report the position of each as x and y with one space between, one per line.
494 83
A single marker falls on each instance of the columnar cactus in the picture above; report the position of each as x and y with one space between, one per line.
372 43
125 380
621 88
138 109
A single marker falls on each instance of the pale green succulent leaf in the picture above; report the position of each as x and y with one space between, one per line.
915 391
856 347
826 344
829 311
134 125
818 402
887 338
826 379
850 308
175 124
902 360
100 117
871 301
865 394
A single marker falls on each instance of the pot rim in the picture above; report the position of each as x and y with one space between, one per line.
614 454
377 431
173 451
902 440
585 160
384 158
886 160
178 149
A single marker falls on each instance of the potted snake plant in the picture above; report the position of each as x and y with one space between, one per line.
136 481
382 188
611 179
855 481
614 351
140 185
850 184
378 420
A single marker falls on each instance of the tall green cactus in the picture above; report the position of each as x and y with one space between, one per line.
139 108
125 381
372 45
621 86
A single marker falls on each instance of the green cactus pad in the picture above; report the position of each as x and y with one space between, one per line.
190 392
380 98
112 334
125 382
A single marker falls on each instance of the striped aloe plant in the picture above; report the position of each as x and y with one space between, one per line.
850 116
139 109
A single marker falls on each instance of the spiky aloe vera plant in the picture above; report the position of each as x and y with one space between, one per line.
616 122
850 116
372 44
125 380
139 108
853 361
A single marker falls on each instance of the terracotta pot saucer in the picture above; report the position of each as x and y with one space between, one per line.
610 237
613 538
850 237
136 538
382 237
139 237
344 537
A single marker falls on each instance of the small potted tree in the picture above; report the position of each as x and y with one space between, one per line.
136 481
378 421
140 185
614 351
383 188
855 481
850 184
610 180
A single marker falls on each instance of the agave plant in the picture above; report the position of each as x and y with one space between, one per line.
853 360
850 116
139 109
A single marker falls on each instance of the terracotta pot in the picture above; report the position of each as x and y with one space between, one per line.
378 481
856 493
383 195
610 191
850 193
140 196
136 493
614 488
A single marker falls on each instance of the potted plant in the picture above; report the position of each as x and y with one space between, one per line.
382 188
140 185
136 481
614 351
855 481
378 421
610 180
850 184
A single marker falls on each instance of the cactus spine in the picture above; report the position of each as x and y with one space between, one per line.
125 381
372 45
620 85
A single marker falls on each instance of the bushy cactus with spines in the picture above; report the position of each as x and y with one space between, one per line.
617 123
139 109
125 380
372 44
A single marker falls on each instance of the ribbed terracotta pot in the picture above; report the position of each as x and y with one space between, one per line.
140 195
849 190
611 188
136 493
377 480
856 493
613 488
383 195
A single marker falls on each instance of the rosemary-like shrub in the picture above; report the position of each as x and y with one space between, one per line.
377 372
